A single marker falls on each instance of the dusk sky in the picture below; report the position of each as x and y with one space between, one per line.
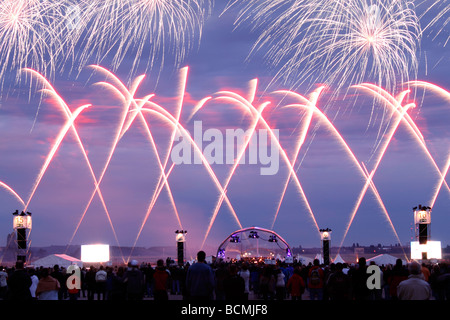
221 59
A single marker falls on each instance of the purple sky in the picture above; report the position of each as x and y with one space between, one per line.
404 178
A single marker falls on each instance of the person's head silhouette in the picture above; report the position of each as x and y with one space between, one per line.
201 256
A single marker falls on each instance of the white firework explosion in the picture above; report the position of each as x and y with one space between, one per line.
26 37
142 29
435 15
336 42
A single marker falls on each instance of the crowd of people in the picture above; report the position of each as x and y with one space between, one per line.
230 281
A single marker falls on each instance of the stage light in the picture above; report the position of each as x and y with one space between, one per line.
235 239
288 252
254 235
221 254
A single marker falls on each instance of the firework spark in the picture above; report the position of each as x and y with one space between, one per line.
133 108
435 17
338 43
148 30
26 37
12 192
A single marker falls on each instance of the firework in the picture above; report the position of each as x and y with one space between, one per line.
338 43
26 37
12 192
134 108
434 16
147 30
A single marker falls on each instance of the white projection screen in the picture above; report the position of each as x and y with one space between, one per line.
95 253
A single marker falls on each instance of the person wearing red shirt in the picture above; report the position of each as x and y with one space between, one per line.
296 285
161 278
315 281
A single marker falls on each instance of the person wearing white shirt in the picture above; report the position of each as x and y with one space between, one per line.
3 282
245 274
415 287
100 279
34 283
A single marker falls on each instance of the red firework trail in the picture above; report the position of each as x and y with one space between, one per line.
312 102
403 110
161 112
411 125
134 109
312 108
70 125
240 154
446 95
11 191
173 121
239 99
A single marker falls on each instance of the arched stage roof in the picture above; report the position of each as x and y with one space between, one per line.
275 237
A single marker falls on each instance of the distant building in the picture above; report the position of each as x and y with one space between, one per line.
10 240
9 253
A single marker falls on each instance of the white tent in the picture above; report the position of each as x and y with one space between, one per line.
319 257
304 260
338 259
62 260
384 259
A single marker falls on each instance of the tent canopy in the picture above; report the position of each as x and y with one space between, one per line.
61 260
385 259
304 260
338 259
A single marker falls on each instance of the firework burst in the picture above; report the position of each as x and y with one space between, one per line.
338 43
26 37
435 18
145 30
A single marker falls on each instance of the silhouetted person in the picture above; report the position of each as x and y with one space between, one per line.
315 281
48 287
415 287
118 286
19 283
3 282
339 284
254 280
245 274
161 278
134 279
265 283
234 285
200 279
426 272
100 282
436 282
296 285
396 275
175 275
221 274
359 277
58 275
280 285
91 284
